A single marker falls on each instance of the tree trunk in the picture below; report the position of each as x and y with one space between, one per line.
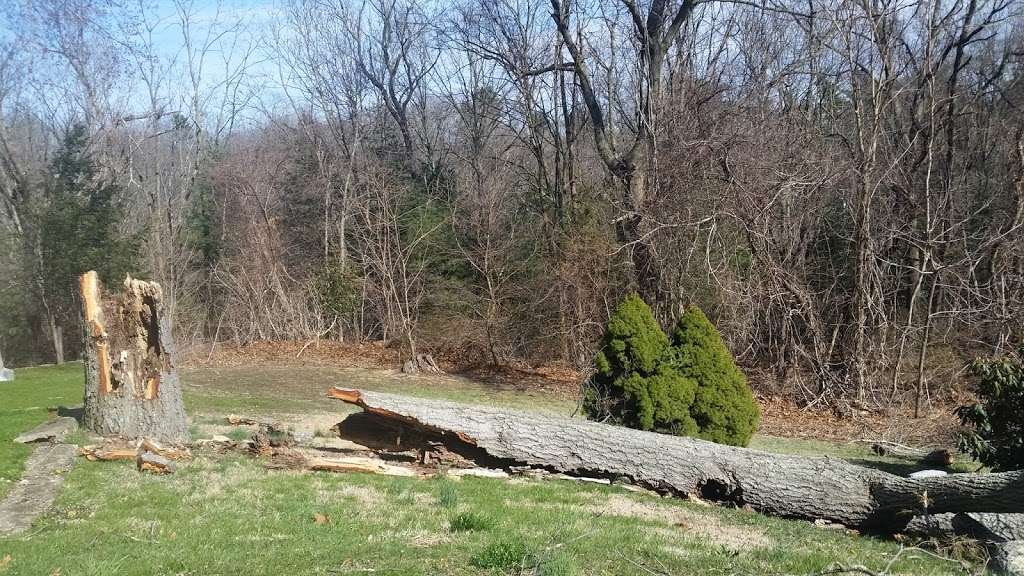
780 485
131 382
57 338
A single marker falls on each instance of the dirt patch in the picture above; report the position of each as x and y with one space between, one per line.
287 353
781 417
556 379
684 522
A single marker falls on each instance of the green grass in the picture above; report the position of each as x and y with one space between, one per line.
227 514
24 404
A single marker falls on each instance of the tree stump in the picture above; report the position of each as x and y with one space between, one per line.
132 388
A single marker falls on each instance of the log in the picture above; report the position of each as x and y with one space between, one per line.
96 453
169 452
1002 534
365 465
1008 558
114 452
984 526
132 388
941 457
236 420
155 463
788 486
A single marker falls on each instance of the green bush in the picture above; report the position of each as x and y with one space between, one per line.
688 386
996 434
635 384
724 407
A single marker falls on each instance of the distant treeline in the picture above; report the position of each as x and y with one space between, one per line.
839 185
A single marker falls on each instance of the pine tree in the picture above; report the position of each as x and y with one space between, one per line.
80 224
724 408
635 383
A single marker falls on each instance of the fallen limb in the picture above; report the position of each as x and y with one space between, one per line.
236 420
941 457
780 485
169 452
110 453
97 453
366 465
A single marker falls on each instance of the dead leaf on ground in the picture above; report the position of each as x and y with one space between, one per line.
4 562
321 518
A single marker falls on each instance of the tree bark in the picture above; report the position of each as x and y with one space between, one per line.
978 525
775 484
132 388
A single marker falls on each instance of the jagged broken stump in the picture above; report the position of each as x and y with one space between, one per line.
131 382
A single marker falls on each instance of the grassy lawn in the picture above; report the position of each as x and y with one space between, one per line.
24 404
229 515
303 389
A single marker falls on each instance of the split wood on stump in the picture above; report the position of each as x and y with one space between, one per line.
809 488
131 381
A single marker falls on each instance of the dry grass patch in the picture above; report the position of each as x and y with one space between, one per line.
684 522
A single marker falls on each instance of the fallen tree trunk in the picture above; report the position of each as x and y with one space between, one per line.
780 485
977 525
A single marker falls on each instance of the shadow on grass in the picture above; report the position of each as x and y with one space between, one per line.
892 467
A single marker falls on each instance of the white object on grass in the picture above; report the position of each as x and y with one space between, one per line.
928 474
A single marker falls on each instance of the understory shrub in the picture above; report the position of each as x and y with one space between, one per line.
688 385
995 434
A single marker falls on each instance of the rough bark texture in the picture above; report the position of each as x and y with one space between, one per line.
780 485
155 463
978 525
131 382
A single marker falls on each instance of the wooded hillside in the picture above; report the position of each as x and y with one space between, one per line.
840 186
